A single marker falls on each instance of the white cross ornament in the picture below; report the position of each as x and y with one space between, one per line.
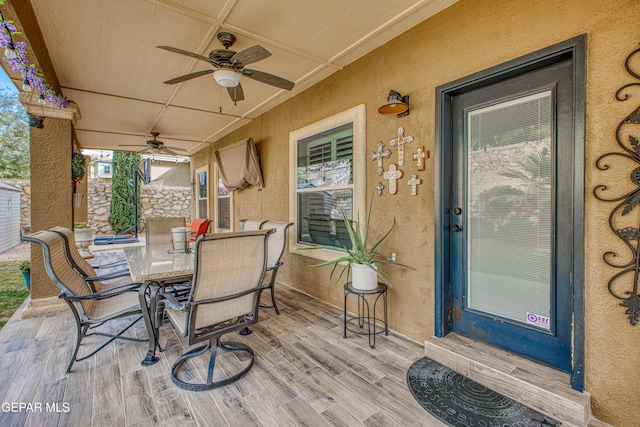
414 182
419 156
378 155
379 188
400 141
392 175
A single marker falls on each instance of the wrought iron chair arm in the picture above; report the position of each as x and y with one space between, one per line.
113 275
275 267
225 298
107 293
111 264
169 300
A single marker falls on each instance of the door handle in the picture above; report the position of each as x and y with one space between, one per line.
456 228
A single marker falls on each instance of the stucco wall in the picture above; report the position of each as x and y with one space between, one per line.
51 193
466 38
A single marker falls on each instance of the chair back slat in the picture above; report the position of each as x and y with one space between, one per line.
199 226
59 269
227 264
277 241
253 224
85 268
158 230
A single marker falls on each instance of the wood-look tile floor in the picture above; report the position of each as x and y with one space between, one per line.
305 374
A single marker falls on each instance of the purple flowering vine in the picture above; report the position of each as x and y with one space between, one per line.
19 63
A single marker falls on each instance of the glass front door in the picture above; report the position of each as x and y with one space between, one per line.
511 229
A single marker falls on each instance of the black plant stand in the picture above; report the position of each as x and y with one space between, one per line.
364 317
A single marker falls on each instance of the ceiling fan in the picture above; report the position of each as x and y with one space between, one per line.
156 147
229 66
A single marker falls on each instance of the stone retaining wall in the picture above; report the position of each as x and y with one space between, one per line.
157 200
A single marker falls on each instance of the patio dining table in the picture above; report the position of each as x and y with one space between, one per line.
156 266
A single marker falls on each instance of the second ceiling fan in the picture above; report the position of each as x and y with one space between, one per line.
229 66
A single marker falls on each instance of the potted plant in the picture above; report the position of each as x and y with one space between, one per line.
25 267
83 234
361 260
78 166
78 169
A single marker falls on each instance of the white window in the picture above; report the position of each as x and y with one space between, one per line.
327 164
223 212
202 192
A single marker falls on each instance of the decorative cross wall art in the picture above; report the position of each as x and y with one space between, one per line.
400 141
414 182
378 155
379 188
393 175
420 156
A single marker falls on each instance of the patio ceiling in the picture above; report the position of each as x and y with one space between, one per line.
105 57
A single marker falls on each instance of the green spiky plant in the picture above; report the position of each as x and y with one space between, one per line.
359 252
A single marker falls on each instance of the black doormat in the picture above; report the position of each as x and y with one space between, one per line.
458 401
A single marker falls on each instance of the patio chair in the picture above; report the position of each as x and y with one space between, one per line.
158 230
228 274
275 250
90 309
81 265
253 224
199 227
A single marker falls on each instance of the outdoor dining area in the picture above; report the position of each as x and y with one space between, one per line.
203 335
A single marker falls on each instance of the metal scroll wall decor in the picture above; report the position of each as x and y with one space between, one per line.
623 225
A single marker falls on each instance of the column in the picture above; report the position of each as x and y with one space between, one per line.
51 193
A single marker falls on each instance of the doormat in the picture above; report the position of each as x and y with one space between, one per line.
458 401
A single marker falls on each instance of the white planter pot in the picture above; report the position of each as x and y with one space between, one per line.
363 278
84 239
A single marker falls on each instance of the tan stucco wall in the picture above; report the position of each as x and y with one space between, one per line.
466 38
51 192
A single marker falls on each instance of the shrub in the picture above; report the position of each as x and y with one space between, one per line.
122 207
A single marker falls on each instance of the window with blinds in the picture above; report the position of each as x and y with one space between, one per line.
325 185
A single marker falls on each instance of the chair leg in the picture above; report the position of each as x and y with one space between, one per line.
271 286
273 299
234 347
80 332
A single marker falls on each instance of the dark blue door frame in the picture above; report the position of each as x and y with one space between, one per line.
574 49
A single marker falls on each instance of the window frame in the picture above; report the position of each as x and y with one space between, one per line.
216 179
197 199
357 116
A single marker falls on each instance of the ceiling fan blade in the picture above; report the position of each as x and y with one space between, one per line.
251 55
174 148
236 93
269 79
185 52
165 150
188 77
131 145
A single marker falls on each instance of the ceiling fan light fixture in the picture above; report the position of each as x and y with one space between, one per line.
227 78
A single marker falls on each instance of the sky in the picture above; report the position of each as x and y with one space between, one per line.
5 81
